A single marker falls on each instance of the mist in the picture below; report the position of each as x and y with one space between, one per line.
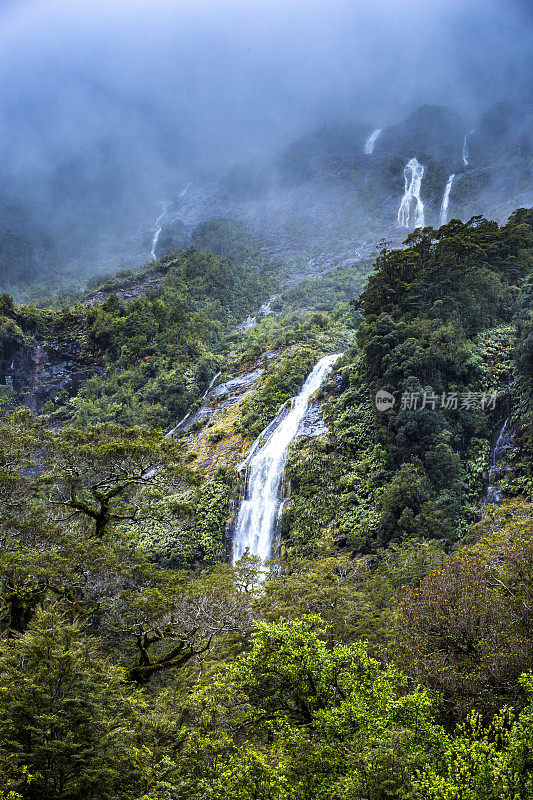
152 92
226 79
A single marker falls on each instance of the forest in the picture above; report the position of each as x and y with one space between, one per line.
388 650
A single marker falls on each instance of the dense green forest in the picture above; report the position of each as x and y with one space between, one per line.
388 653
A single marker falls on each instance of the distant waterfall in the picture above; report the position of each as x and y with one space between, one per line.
504 443
188 414
368 149
259 511
158 227
413 174
465 150
446 200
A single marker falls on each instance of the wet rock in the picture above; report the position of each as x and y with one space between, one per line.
218 400
197 420
312 425
238 384
131 292
341 383
41 373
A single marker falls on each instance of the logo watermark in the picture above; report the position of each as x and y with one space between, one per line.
384 400
448 401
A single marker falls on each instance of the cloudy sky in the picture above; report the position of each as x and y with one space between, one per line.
222 79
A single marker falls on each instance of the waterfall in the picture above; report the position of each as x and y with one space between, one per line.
413 174
465 150
445 201
504 443
259 511
188 414
158 227
368 149
184 191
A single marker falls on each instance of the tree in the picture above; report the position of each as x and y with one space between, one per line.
467 630
19 433
96 473
295 718
485 762
62 718
169 620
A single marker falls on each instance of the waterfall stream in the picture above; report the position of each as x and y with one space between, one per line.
188 414
465 150
368 149
261 508
446 200
411 211
158 228
504 443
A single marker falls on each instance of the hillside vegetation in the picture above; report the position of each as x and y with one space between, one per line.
389 652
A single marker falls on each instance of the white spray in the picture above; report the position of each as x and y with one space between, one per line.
158 228
368 149
413 174
445 201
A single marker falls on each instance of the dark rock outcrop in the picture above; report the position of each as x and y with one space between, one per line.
40 373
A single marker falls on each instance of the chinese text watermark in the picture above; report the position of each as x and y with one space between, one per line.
449 401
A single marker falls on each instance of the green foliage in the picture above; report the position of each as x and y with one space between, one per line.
94 472
160 349
320 722
135 666
190 525
231 239
466 630
354 596
435 320
154 354
485 762
282 381
60 715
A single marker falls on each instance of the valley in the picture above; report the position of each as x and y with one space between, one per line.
266 423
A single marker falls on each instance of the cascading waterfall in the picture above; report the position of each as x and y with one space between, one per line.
413 174
465 150
368 149
158 228
259 511
504 443
446 200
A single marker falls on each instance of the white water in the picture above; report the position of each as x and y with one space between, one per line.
368 149
413 174
446 200
465 150
259 511
184 192
504 443
158 228
188 414
252 319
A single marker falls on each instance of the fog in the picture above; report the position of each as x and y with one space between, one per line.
224 79
165 87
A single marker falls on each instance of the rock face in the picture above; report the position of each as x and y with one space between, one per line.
432 133
325 202
131 292
312 425
41 373
212 431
